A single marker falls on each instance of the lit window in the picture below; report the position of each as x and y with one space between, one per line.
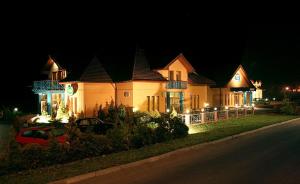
237 77
126 94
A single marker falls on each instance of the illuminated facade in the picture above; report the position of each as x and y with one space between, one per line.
172 86
258 93
176 85
50 92
238 91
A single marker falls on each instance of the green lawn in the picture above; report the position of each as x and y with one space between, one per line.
206 132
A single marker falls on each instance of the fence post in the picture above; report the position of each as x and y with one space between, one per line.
253 110
215 115
236 112
187 119
245 111
202 117
226 114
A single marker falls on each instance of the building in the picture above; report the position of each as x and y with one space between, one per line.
50 92
171 85
258 93
236 90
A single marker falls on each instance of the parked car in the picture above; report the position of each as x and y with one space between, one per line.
40 135
93 125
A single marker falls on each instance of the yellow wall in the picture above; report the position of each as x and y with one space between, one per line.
123 87
236 84
89 97
175 66
195 91
142 89
96 94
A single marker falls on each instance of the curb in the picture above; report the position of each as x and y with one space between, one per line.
159 157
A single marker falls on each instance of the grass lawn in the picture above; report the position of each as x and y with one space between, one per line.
201 133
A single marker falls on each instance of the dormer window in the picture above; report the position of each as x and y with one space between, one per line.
178 75
237 77
171 75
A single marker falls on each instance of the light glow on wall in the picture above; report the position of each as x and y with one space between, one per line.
135 109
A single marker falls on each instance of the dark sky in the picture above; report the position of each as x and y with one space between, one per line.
269 52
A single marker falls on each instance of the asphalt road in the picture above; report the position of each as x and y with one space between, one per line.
270 156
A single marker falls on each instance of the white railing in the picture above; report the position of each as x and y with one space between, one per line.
204 117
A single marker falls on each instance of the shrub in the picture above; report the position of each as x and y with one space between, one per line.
33 156
14 156
162 132
288 107
101 113
141 136
178 128
119 136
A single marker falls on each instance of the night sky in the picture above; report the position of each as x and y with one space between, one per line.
269 52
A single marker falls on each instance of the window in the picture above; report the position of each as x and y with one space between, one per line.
191 102
153 103
27 133
54 75
157 101
198 102
148 103
195 101
171 75
126 94
237 77
178 75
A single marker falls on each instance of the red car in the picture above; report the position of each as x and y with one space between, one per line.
40 136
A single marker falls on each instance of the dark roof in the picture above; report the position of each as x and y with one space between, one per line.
195 78
141 69
95 72
223 76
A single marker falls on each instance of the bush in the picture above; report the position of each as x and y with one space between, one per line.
178 128
57 153
141 136
33 156
119 136
14 156
162 132
288 107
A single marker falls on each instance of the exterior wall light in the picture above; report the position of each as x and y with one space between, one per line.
226 107
15 109
168 110
187 111
202 110
135 109
215 108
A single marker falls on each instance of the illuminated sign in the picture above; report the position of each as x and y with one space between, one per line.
237 77
72 89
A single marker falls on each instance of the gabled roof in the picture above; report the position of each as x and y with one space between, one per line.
141 69
224 76
183 60
195 78
95 72
50 62
246 76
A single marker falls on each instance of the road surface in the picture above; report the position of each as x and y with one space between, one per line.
270 156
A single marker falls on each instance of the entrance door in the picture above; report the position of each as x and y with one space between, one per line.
175 100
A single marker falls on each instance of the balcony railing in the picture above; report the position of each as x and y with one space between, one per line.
177 85
47 85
